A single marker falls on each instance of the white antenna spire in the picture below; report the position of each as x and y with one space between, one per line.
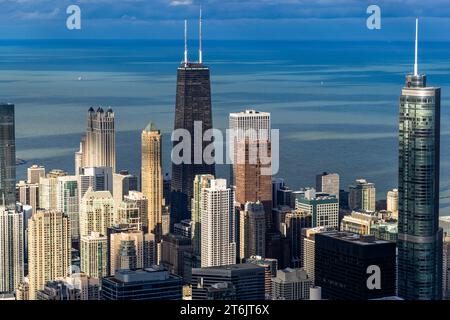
200 54
185 44
416 65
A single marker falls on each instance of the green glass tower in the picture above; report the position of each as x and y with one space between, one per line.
419 237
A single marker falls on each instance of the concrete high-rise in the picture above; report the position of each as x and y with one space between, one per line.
94 255
11 249
123 183
34 173
141 201
48 189
362 196
192 110
328 183
28 194
323 207
68 202
419 236
152 178
250 149
392 202
97 178
200 182
49 248
218 242
97 212
252 229
7 156
98 146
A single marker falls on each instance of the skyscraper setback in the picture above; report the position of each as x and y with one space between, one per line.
419 237
192 107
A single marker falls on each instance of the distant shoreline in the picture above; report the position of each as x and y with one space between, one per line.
20 161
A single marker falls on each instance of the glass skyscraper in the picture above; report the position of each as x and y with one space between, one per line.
7 156
419 237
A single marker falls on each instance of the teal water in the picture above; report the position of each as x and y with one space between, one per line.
335 104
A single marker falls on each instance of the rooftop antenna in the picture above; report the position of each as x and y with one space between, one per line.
200 54
185 44
416 66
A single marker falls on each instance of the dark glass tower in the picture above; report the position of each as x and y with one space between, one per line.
193 104
419 239
7 156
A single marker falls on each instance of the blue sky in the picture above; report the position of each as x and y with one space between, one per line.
226 19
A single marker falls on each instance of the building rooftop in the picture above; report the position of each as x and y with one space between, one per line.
155 273
356 238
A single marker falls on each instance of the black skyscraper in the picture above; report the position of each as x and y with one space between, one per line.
193 104
7 156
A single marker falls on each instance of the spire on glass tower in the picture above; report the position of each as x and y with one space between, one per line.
185 44
200 55
416 65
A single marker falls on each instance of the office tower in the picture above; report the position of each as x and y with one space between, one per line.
345 261
98 146
192 110
295 221
200 182
419 237
123 183
446 269
48 189
67 200
128 213
86 285
291 284
28 194
141 201
362 196
7 156
251 152
173 251
127 250
152 179
58 290
97 212
308 250
328 183
34 173
281 194
252 230
392 202
218 246
359 222
145 284
11 249
94 255
324 208
248 280
270 270
97 178
49 248
183 228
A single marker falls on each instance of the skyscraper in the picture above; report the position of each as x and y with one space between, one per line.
7 156
392 202
323 207
67 202
48 189
152 179
193 109
328 183
34 173
49 248
98 146
141 201
11 249
362 196
94 255
97 212
200 182
123 183
249 143
252 229
419 236
218 245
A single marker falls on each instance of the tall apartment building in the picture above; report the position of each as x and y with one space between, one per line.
97 212
28 194
67 201
141 201
362 196
252 230
11 249
94 255
392 202
97 178
49 248
48 189
98 146
152 178
123 183
128 213
309 250
218 246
